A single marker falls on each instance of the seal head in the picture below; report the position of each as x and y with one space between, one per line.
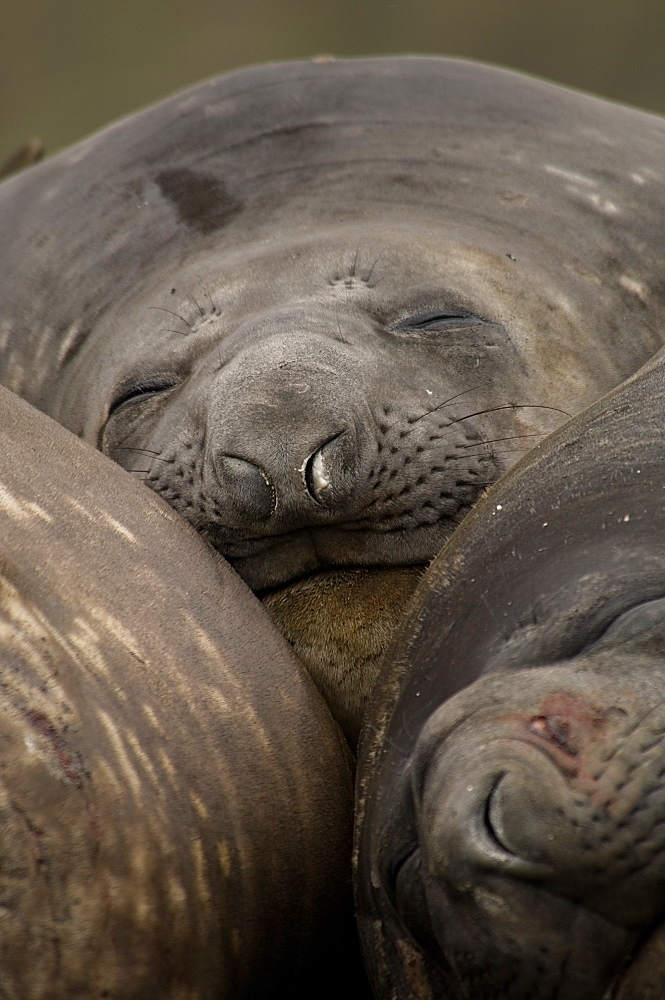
318 307
512 842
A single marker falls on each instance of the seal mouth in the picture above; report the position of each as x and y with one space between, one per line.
266 564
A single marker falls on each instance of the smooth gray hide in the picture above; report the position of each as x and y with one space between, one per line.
320 306
175 799
513 843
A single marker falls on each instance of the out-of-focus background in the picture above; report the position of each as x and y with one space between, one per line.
70 66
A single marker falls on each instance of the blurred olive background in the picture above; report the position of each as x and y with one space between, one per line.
70 66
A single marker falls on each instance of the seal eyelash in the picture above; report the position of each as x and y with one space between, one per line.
439 320
140 392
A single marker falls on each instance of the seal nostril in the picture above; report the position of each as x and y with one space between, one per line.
317 474
247 487
491 818
317 471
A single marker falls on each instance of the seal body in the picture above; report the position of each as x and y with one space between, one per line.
175 798
319 307
512 842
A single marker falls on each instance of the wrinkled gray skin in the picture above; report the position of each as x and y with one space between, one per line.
320 306
513 841
175 798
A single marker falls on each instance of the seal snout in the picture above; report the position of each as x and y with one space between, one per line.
494 816
563 796
285 437
528 806
252 491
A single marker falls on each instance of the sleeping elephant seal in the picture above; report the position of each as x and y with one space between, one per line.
513 843
319 307
175 798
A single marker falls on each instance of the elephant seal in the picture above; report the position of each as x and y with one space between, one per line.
513 840
175 798
319 307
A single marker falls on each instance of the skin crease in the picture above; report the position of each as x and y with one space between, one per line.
510 814
319 308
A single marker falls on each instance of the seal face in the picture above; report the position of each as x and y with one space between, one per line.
304 443
319 307
512 842
304 432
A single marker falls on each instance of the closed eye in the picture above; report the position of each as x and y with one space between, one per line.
439 320
143 391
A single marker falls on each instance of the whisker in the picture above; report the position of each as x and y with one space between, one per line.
191 297
439 406
512 437
378 281
177 316
144 451
342 338
371 270
484 454
509 406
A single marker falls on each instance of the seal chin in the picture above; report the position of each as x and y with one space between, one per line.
339 623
